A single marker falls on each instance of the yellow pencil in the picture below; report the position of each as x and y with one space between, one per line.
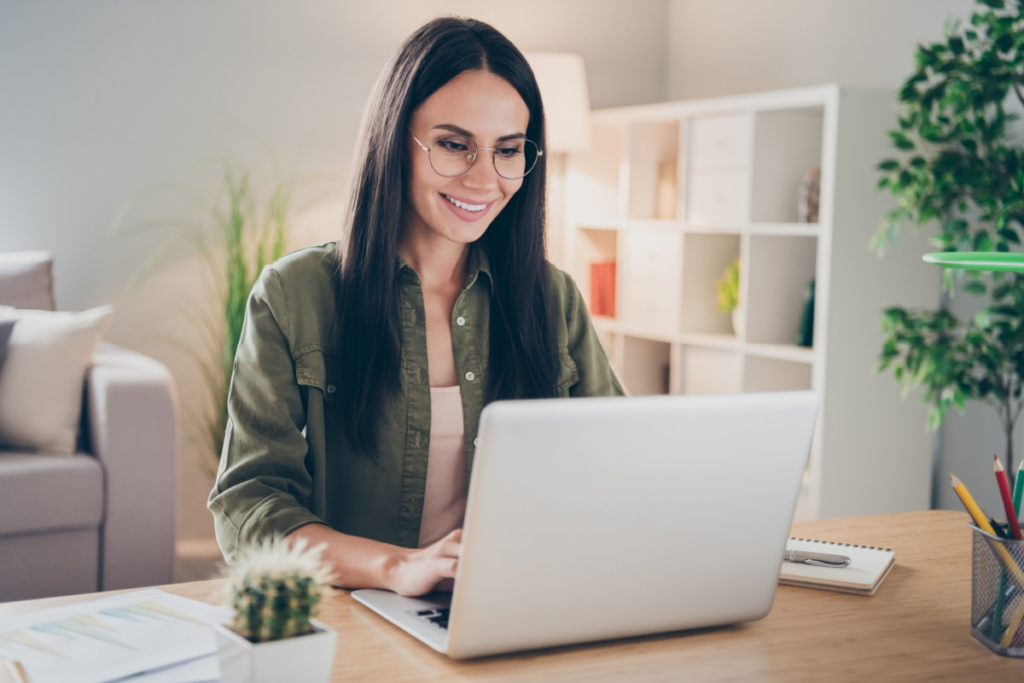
15 670
982 521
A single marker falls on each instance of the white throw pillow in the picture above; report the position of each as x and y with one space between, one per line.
42 378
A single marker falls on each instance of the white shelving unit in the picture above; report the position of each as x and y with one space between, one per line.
738 164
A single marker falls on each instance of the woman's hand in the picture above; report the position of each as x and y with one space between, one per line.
424 570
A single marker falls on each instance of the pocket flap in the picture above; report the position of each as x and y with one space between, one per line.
316 369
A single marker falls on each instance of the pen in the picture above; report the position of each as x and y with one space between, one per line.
816 559
1018 489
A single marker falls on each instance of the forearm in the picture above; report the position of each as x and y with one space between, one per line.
355 562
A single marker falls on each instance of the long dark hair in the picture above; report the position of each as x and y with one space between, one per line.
523 362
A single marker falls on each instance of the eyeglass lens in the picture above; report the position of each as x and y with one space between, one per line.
452 156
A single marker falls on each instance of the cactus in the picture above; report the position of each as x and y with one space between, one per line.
274 588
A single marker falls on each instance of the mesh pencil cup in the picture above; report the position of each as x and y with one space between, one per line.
997 593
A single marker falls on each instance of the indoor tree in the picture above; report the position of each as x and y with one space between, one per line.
961 168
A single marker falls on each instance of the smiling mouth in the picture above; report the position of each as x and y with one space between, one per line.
466 206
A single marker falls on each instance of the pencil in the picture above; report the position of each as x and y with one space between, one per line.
16 670
1004 493
979 518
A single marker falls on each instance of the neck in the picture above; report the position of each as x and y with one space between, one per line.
440 265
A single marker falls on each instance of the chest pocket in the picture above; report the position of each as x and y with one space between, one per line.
568 373
318 370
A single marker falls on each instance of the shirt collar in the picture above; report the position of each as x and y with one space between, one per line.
478 263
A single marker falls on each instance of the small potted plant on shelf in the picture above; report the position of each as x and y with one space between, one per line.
274 589
727 290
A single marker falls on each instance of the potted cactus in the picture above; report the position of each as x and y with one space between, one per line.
274 589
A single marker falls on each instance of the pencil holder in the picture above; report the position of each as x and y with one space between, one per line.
997 593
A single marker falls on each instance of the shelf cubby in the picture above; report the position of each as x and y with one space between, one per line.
771 374
786 142
654 170
703 370
651 269
645 366
593 245
705 257
778 270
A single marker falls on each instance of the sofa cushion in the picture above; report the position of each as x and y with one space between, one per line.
41 383
40 492
26 280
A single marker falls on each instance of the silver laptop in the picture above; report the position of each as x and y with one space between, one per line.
599 518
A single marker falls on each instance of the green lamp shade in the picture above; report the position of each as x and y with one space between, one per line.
978 260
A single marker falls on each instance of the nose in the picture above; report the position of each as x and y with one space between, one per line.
481 175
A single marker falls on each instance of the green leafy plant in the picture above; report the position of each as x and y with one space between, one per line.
241 231
960 168
274 589
727 287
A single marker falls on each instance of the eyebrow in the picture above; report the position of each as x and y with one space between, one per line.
451 127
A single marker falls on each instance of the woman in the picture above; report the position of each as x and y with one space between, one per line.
363 366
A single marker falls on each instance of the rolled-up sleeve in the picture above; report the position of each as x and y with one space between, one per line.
263 486
596 375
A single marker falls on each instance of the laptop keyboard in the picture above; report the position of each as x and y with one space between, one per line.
437 617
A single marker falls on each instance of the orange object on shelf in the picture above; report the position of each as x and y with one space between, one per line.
602 289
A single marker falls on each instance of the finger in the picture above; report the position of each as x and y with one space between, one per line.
447 568
450 549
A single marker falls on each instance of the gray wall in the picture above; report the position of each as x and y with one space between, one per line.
723 47
102 101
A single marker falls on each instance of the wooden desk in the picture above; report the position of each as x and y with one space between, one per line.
916 628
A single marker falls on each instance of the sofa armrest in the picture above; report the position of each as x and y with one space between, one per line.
130 407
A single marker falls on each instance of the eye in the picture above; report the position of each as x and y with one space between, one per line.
509 152
455 145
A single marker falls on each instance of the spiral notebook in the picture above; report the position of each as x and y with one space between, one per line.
868 567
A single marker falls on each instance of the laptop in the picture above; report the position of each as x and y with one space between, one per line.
599 518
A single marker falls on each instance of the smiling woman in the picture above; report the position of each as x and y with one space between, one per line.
364 365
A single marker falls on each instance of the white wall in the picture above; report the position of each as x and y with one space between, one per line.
101 100
724 47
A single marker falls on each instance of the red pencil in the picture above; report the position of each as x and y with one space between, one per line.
1004 492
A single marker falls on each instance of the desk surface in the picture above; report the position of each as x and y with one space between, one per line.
916 627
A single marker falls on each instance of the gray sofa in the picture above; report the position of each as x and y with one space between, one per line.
101 519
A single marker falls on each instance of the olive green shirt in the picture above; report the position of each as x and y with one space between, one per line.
286 463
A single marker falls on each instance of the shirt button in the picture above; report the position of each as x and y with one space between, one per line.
330 388
476 441
470 377
460 321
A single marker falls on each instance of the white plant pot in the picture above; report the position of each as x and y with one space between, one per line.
307 658
738 318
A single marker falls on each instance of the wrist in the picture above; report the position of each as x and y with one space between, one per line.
391 564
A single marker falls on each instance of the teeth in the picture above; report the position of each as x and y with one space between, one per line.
464 205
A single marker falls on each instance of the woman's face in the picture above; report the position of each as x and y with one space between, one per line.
474 104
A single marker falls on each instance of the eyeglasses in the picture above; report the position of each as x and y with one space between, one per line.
453 155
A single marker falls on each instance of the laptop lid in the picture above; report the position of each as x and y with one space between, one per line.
601 518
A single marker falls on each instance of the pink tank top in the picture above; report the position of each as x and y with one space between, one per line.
444 504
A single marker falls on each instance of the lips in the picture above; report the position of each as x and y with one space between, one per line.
465 208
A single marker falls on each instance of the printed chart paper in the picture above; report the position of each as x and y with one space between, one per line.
110 638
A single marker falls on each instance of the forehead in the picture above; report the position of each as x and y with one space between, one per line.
479 101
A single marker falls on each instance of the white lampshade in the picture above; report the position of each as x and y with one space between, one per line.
563 85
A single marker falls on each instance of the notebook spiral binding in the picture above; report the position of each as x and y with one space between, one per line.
841 545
